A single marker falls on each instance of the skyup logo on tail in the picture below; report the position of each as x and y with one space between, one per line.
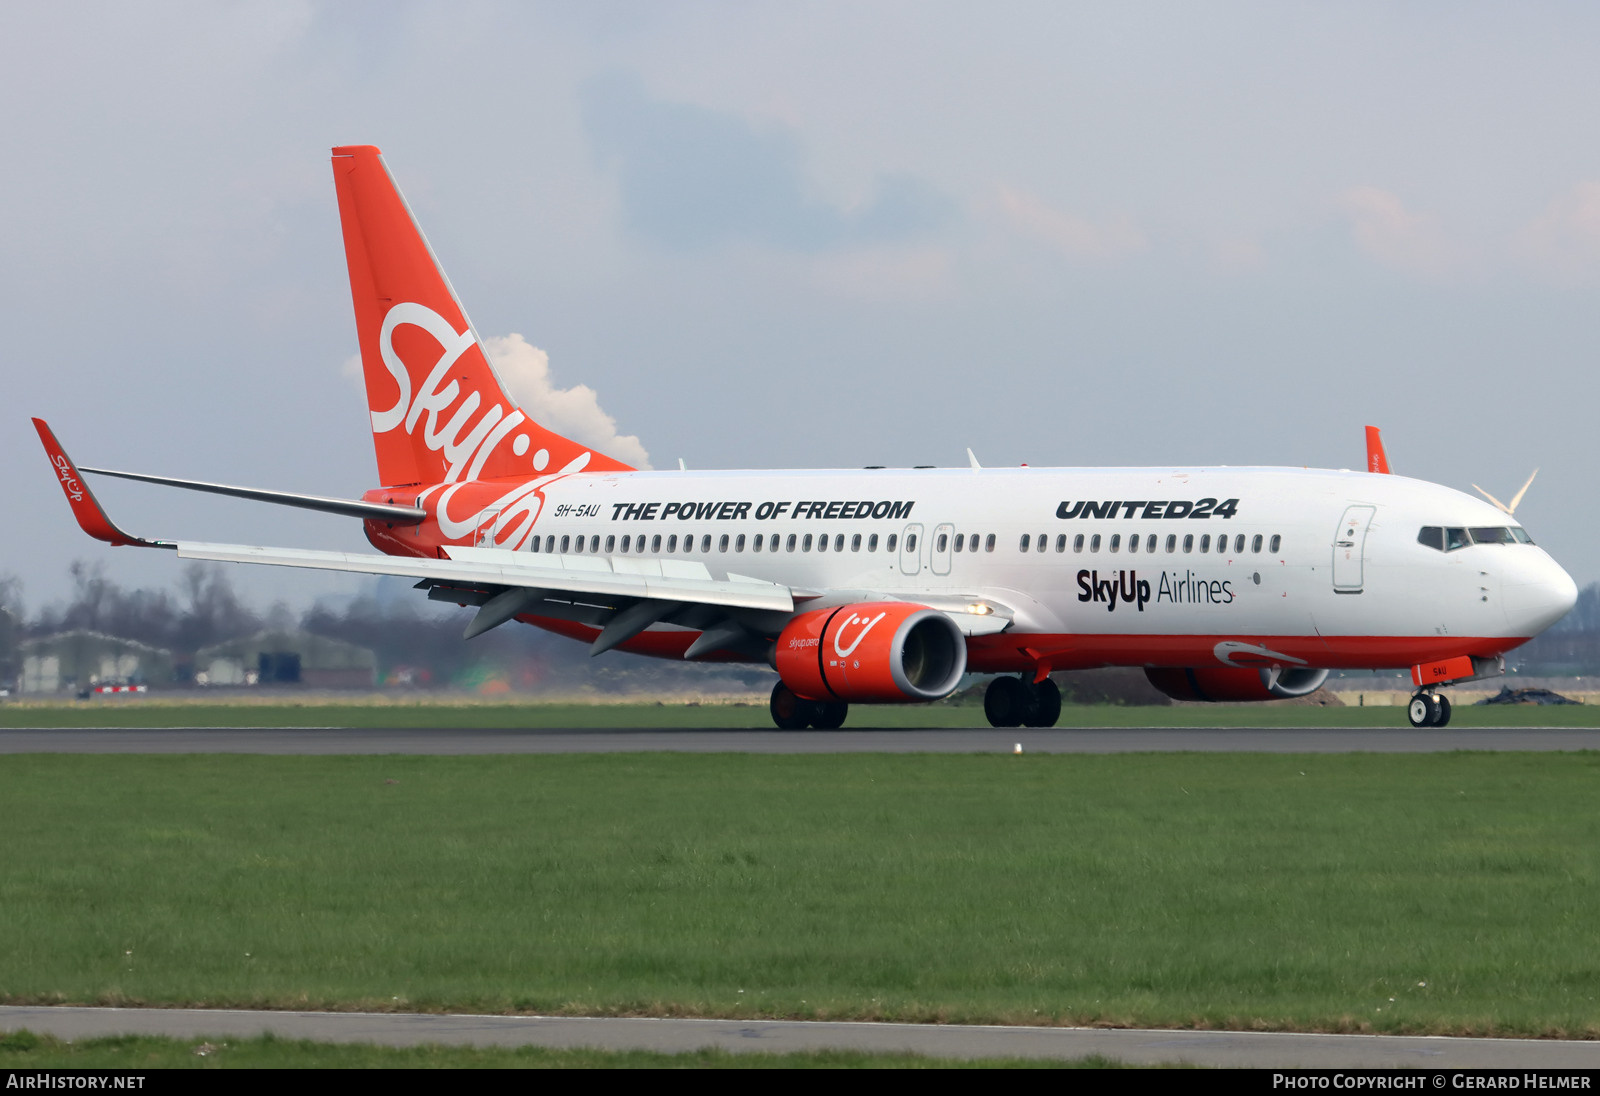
464 444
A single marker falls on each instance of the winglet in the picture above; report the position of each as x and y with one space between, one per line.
1377 459
85 507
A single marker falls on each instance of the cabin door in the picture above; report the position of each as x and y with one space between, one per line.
1349 543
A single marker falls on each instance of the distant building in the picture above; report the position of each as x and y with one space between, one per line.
8 650
287 658
82 659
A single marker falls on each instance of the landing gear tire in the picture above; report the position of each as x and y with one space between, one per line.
829 715
1046 707
1426 710
789 712
1444 711
1006 702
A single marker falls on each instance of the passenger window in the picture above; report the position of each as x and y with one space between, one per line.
1205 544
1274 544
1188 543
534 545
738 543
805 544
566 543
1255 543
1172 543
627 539
988 543
911 542
705 544
791 543
672 542
1061 543
855 543
1044 541
1116 542
822 543
1150 543
1238 545
1133 543
611 545
655 544
972 543
888 545
872 542
961 541
838 543
550 543
1024 543
1077 543
755 545
1094 543
722 545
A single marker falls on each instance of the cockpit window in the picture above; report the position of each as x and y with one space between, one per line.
1446 539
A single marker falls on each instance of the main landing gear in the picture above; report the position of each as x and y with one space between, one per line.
1017 702
1429 710
791 713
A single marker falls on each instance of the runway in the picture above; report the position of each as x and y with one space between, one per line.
1096 740
1249 1050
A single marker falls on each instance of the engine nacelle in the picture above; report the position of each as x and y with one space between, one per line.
1237 683
877 652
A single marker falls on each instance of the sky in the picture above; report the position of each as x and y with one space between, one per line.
754 235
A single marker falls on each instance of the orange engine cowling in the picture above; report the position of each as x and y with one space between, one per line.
884 652
1236 683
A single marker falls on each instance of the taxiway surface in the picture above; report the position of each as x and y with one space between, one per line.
1250 1050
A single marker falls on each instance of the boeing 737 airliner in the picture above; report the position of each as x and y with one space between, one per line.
886 586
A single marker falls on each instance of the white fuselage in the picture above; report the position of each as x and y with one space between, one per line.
1324 565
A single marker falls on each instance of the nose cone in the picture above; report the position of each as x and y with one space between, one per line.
1537 593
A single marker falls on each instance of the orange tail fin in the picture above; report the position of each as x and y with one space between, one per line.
439 413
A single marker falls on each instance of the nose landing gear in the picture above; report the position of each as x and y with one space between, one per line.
1015 702
1429 709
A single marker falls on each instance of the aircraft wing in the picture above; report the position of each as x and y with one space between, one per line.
620 595
607 577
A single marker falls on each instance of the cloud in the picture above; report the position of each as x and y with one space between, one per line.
1410 242
1565 239
574 412
1071 235
887 273
691 177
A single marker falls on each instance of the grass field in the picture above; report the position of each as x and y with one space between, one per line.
155 713
1448 893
